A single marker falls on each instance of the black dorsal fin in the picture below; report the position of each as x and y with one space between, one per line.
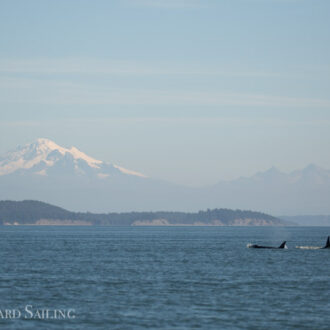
327 244
282 246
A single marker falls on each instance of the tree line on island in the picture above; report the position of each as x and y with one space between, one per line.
32 212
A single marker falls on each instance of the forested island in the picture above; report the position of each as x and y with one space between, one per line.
30 212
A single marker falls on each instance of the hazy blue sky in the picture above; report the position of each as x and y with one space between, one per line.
191 91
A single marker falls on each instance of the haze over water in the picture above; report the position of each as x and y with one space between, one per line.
166 277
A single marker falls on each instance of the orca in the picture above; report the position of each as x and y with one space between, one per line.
327 244
255 246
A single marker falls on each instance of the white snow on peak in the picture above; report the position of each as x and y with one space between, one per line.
77 154
43 143
47 145
27 156
125 171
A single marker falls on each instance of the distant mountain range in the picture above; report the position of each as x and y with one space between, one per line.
68 177
39 213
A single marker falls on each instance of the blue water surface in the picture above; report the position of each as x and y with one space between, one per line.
164 277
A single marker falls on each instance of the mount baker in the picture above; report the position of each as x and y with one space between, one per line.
44 157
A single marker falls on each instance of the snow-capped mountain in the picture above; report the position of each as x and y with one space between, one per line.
44 157
45 171
69 178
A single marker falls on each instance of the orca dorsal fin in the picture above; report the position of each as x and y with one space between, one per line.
282 246
327 244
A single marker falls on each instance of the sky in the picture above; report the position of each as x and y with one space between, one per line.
189 91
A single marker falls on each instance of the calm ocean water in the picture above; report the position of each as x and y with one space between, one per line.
163 278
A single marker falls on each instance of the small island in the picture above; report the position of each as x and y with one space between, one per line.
30 212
